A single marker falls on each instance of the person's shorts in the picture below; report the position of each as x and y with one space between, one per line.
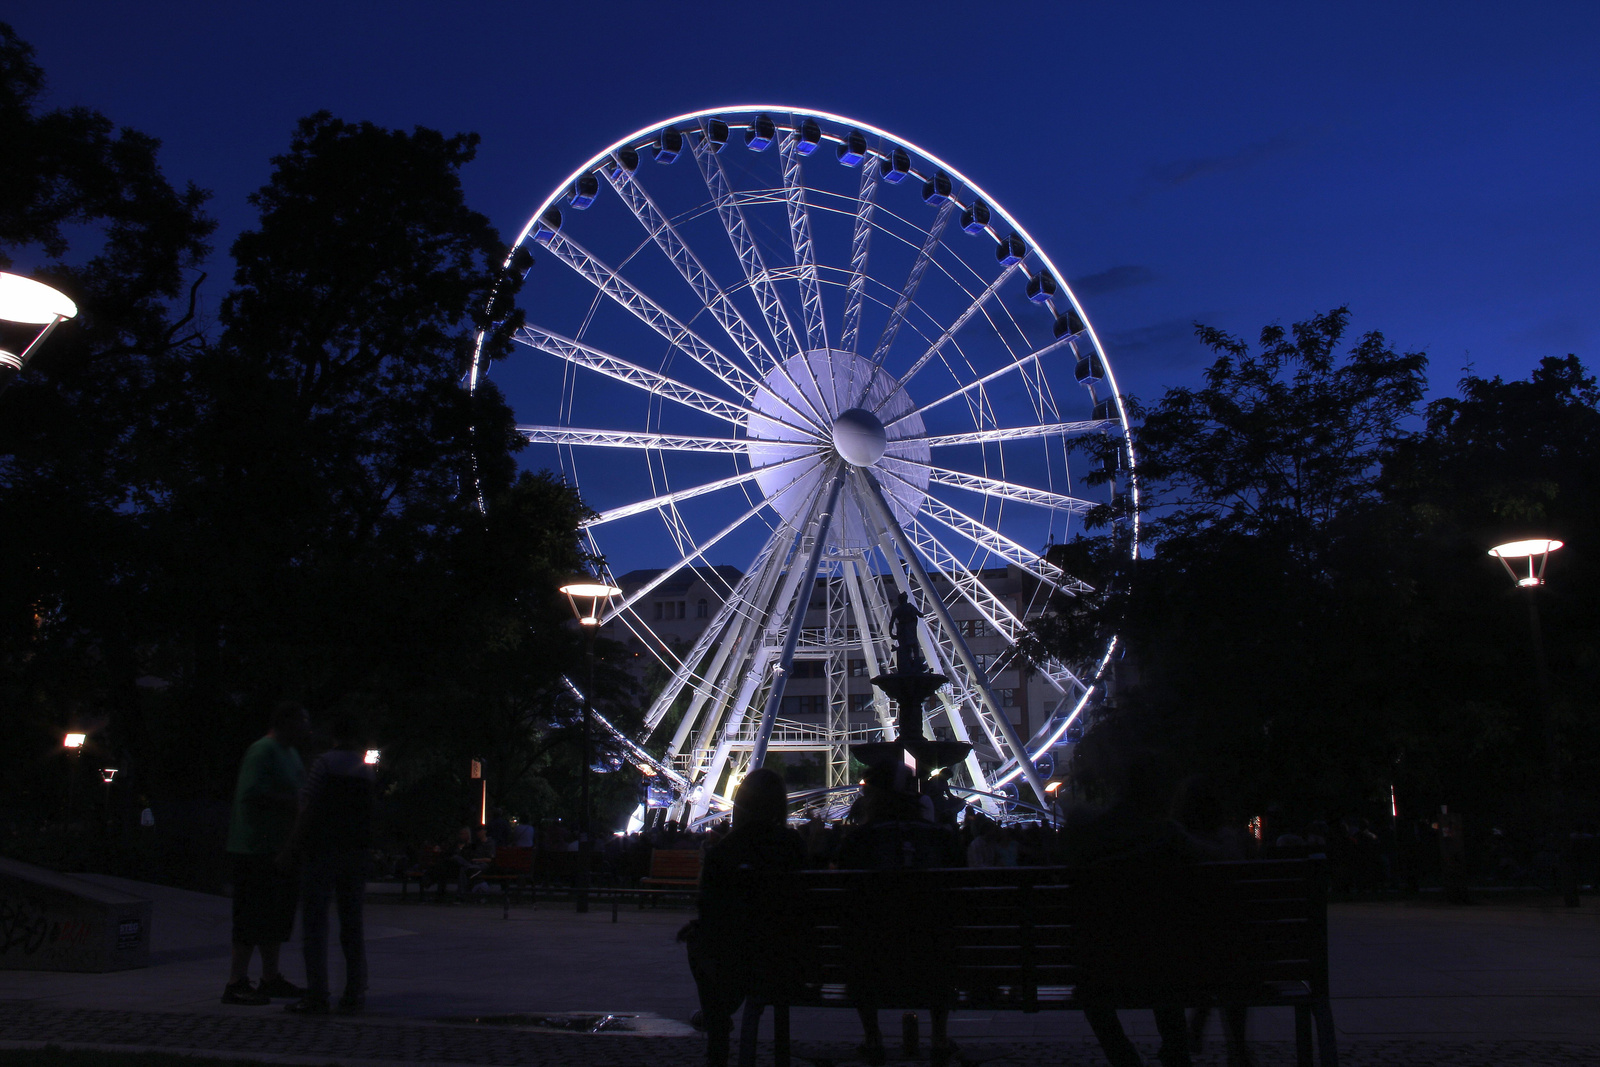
264 898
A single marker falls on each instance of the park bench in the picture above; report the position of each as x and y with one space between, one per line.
672 870
511 869
1247 933
423 871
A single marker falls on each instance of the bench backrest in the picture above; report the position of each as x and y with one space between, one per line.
1011 931
511 859
677 863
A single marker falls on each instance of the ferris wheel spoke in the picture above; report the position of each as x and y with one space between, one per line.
908 291
1009 433
1021 494
705 287
652 314
885 517
805 254
860 245
744 246
949 331
1019 363
755 270
680 495
652 382
699 551
567 435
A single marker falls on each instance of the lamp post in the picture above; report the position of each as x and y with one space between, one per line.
1535 553
30 303
73 743
587 596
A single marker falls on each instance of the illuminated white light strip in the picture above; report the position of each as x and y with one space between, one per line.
1010 433
949 331
567 435
688 494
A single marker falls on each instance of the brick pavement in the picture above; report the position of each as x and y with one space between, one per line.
287 1039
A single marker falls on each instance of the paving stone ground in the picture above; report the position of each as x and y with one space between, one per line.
1494 985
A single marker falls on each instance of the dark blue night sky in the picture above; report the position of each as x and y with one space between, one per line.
1435 166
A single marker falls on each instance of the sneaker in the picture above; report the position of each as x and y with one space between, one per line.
350 1003
242 992
279 986
308 1006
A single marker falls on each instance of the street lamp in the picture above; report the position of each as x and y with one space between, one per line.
1534 552
588 596
107 775
30 303
73 743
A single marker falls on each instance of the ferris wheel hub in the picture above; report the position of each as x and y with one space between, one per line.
859 437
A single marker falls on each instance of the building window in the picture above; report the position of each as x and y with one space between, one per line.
659 607
860 702
702 610
975 628
1006 697
806 705
858 668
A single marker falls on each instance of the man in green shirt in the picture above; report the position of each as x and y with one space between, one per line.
265 804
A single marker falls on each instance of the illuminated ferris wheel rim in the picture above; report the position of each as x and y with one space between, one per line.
645 133
743 117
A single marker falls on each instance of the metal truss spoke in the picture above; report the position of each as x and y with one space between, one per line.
698 552
908 292
1010 433
1022 494
949 331
875 499
755 268
635 755
705 287
652 314
566 435
1003 619
805 255
860 246
652 382
664 499
992 540
1016 364
744 246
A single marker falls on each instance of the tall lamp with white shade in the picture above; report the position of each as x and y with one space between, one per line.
29 303
1525 562
588 597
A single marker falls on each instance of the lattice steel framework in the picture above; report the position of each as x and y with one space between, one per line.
790 337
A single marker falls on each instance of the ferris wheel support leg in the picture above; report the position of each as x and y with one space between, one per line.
730 654
958 726
874 495
769 714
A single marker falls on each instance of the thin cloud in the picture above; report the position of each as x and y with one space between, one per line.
1180 171
1125 276
1164 337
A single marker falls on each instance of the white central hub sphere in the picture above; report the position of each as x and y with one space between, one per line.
859 437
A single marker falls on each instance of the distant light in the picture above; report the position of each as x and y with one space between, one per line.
1529 583
589 620
74 740
33 303
648 772
107 773
371 758
1052 787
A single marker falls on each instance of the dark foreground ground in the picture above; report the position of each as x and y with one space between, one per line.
1492 984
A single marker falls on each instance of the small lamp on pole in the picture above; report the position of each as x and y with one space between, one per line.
1525 562
29 303
73 743
588 596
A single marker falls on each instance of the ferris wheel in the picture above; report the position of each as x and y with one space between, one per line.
794 342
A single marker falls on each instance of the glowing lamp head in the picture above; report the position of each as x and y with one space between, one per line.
859 437
1536 550
107 774
74 741
586 595
32 303
371 758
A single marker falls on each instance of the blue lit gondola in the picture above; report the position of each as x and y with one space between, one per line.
1041 287
584 190
936 190
1011 250
896 165
853 149
668 145
760 134
976 218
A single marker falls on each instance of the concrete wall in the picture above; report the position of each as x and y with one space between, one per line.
54 922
